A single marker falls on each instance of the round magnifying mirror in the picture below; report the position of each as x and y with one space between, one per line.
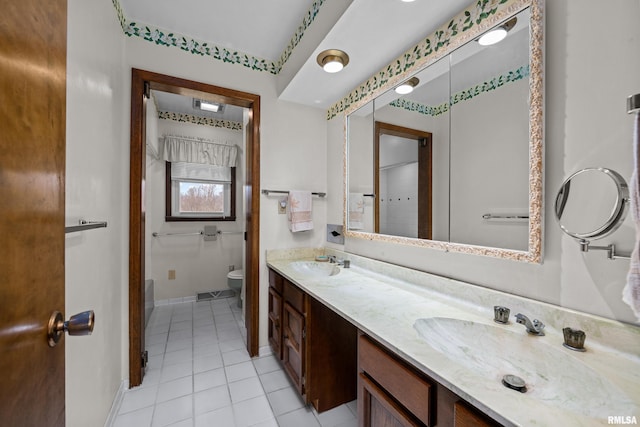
592 203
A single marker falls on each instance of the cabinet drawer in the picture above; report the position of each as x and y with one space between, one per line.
465 416
275 281
294 296
400 381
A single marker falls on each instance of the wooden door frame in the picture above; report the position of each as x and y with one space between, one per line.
425 168
141 82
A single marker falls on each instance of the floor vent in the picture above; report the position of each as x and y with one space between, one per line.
205 296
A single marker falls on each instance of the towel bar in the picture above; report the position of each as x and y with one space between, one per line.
504 216
197 233
156 234
85 225
266 192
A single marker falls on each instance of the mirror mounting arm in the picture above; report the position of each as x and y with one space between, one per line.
610 248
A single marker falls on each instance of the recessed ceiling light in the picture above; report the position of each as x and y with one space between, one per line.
408 86
207 106
332 60
498 33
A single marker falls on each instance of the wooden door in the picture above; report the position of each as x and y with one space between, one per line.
33 43
275 322
293 345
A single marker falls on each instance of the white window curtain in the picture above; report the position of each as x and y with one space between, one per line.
178 149
181 171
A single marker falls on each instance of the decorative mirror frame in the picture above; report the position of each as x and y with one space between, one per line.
463 28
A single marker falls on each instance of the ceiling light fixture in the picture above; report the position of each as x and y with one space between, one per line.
408 86
207 106
333 60
498 33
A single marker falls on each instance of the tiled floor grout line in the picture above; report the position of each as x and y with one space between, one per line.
168 322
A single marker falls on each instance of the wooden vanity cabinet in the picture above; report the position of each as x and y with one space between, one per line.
275 313
316 346
392 393
466 416
294 335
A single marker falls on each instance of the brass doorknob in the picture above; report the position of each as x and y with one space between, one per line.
78 324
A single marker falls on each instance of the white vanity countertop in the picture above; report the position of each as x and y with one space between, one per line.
385 301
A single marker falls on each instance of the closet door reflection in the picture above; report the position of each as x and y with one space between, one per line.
403 181
412 158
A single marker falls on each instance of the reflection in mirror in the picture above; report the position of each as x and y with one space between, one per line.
482 107
403 181
592 203
489 157
360 165
415 200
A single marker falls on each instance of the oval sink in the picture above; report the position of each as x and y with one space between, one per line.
552 375
315 269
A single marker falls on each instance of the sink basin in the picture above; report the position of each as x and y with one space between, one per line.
551 373
315 269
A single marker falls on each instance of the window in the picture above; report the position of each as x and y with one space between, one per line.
198 192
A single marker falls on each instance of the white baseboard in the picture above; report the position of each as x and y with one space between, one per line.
115 406
265 351
178 300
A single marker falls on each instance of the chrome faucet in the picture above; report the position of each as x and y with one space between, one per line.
534 328
334 260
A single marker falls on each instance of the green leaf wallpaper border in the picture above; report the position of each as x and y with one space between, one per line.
196 47
464 95
466 25
205 121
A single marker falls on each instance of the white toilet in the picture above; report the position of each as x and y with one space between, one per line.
234 281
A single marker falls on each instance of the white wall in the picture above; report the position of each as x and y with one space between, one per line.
153 151
97 171
199 266
588 78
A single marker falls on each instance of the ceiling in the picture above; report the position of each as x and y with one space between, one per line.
173 103
372 32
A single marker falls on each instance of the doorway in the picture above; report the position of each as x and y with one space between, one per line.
142 82
403 181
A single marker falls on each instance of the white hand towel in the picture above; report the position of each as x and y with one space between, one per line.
356 211
299 211
631 291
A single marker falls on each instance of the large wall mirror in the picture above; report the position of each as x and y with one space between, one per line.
456 163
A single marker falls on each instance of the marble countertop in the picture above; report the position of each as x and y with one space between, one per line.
385 301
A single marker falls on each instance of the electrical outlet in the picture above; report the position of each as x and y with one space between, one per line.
172 275
282 205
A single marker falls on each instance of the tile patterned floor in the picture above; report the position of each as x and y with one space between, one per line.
200 375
